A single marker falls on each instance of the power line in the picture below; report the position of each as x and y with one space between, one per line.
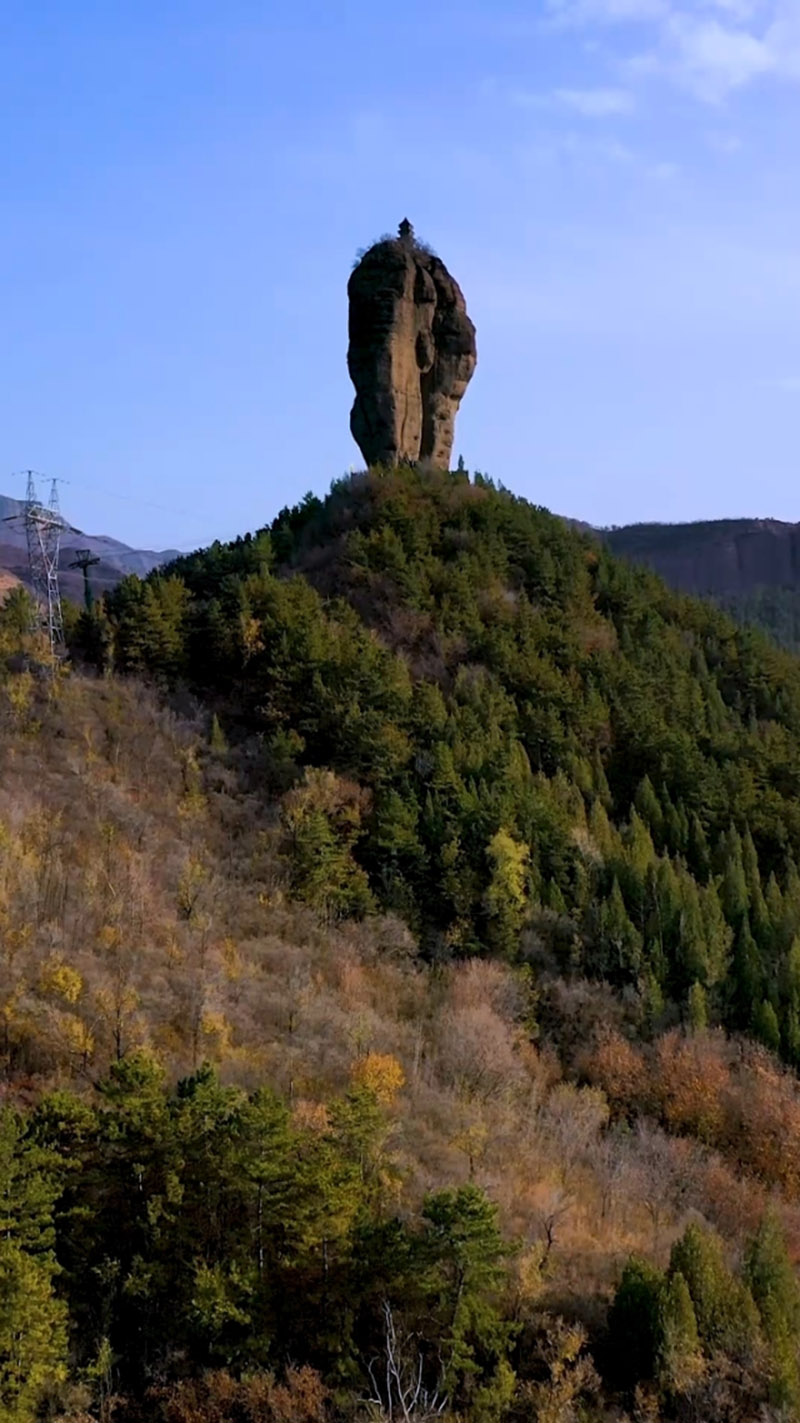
128 498
103 493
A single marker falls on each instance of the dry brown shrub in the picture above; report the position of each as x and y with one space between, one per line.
574 1014
342 800
218 1398
763 1127
408 629
619 1069
597 635
567 1376
732 1202
477 1045
483 981
311 1117
475 1053
571 1120
690 1082
300 1398
663 1173
211 1399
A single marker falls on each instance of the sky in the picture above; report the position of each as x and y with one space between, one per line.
184 185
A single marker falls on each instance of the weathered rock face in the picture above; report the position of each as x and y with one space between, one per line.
411 353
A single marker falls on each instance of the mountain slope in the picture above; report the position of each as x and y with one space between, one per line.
454 860
361 1122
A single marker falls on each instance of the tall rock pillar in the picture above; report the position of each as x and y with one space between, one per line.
411 353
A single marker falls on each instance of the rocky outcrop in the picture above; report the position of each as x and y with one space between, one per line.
411 353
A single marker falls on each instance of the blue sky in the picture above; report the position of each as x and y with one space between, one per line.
614 183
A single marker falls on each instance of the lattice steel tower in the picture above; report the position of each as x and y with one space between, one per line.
43 527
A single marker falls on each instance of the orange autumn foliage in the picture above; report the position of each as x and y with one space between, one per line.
689 1084
619 1069
217 1397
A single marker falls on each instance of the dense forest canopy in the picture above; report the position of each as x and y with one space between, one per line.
400 941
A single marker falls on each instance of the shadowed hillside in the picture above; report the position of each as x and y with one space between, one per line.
750 566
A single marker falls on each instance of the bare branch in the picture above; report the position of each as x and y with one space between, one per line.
404 1392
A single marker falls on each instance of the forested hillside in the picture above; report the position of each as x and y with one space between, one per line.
400 935
774 610
495 730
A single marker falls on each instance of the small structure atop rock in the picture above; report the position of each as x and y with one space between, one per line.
411 355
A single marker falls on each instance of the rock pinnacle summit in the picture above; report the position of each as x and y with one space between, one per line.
411 354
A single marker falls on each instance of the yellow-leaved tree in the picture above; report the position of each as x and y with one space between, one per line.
381 1074
507 894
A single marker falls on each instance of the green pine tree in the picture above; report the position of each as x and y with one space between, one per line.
773 1283
697 1008
680 1356
765 1025
33 1335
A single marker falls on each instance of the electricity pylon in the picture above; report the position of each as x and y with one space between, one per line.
43 528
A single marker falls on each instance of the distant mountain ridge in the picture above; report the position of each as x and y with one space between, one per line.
116 558
719 556
751 567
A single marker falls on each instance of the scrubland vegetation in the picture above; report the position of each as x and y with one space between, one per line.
399 984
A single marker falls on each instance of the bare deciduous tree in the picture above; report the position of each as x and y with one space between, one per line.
397 1377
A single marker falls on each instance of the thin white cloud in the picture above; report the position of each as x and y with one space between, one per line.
596 103
723 142
575 149
524 99
712 59
783 39
712 48
791 384
597 150
606 12
664 172
739 10
643 12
